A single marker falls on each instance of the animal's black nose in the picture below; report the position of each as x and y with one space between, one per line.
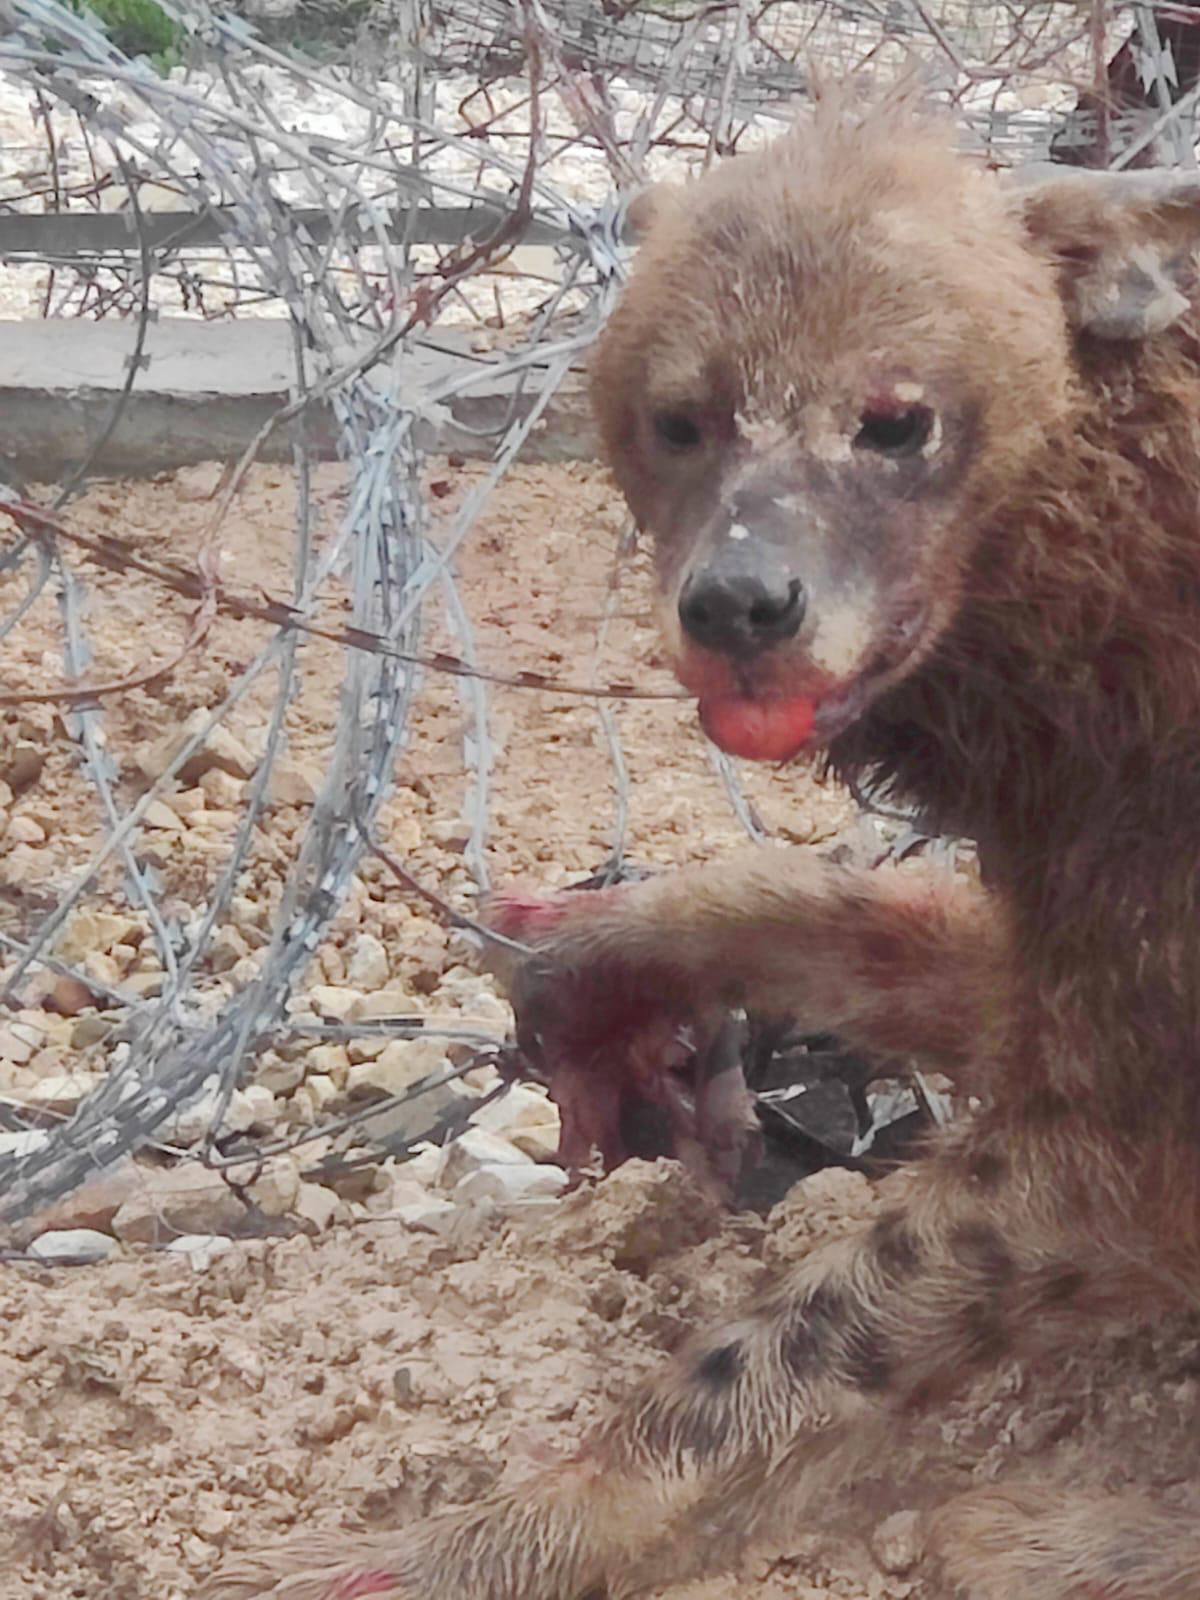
740 613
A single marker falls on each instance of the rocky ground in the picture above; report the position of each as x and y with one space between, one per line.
537 578
321 1344
160 1410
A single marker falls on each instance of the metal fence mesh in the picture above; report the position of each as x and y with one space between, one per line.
454 174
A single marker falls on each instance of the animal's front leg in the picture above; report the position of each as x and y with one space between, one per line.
787 1395
894 963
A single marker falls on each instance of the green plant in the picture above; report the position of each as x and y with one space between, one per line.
137 27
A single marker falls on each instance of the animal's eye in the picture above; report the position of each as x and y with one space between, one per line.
677 430
1079 255
894 433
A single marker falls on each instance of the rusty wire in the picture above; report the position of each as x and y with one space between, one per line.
445 142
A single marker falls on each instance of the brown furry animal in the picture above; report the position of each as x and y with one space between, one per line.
919 450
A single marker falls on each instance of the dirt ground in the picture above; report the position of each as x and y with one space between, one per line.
157 1414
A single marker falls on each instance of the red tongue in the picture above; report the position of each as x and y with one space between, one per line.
758 730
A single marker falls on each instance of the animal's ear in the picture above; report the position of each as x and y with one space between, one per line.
1125 243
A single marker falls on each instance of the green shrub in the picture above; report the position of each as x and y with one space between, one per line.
137 28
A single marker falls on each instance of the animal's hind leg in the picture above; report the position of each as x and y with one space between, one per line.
987 1259
1003 1544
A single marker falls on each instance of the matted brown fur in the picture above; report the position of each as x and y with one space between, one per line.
1017 654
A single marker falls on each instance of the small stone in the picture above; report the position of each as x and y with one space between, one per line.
22 864
313 1096
396 1122
332 1001
250 1109
69 996
42 812
424 1165
72 1247
428 1215
295 783
96 930
29 1031
24 766
95 1203
369 967
244 1361
244 971
277 1187
49 1062
280 1077
474 1149
221 750
896 1543
488 1011
332 1061
424 957
394 916
318 1205
190 1123
356 1183
55 1030
324 1089
89 1028
332 964
19 1042
403 834
145 985
23 1143
248 913
396 1004
366 1049
463 986
178 1200
400 1190
189 802
522 1105
539 1142
217 820
509 1185
214 1522
62 1092
159 815
24 830
227 949
101 966
451 833
201 1249
197 1555
403 1063
221 789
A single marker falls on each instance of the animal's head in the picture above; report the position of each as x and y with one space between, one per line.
834 358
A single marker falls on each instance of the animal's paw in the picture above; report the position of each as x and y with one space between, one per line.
332 1565
1000 1543
637 1062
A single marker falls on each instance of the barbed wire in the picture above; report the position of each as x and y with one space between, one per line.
460 169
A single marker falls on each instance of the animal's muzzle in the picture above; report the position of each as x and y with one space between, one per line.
742 601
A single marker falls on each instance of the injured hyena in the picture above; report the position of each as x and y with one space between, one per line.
918 447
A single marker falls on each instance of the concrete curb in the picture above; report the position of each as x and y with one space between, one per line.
206 388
